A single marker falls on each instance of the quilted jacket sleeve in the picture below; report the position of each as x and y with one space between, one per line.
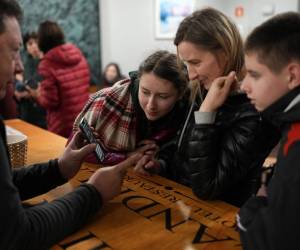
220 156
49 90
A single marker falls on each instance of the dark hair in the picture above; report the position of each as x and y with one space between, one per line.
50 35
9 8
276 41
165 65
28 36
210 29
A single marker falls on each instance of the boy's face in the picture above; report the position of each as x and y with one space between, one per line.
263 87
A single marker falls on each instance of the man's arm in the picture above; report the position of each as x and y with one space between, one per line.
40 226
37 179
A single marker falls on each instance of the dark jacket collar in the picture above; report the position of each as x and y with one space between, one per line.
276 113
236 98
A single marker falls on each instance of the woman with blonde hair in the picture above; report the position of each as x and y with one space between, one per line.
224 142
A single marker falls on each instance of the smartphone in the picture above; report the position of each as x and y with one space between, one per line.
88 134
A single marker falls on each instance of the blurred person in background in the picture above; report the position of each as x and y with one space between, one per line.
65 80
111 74
29 109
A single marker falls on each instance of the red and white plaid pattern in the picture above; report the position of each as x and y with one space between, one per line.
110 111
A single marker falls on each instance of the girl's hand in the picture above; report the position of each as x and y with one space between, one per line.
145 147
147 166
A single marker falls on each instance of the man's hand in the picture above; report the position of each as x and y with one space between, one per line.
217 93
108 180
69 163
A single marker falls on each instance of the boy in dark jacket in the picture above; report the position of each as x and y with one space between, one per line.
269 220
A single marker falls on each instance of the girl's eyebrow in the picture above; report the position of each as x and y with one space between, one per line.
143 88
159 93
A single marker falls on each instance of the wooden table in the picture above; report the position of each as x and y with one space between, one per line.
150 213
42 145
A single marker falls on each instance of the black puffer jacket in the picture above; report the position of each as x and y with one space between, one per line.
221 160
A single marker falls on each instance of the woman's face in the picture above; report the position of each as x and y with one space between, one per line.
111 73
157 96
202 65
32 48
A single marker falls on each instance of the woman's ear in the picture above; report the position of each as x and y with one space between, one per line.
293 75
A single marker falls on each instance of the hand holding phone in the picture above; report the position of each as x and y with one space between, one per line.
88 134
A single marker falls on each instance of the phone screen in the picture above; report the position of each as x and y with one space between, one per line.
88 134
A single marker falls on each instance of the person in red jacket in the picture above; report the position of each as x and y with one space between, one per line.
66 78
